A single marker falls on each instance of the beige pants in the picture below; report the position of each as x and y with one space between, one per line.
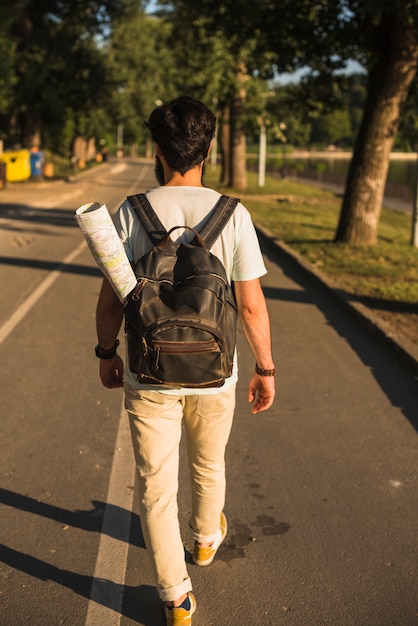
156 424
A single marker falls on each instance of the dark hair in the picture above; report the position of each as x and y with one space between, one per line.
183 128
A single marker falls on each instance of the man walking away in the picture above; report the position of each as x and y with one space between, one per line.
183 130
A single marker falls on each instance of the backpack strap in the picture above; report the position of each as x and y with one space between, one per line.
148 217
209 233
218 219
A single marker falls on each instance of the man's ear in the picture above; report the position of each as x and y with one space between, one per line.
209 149
159 154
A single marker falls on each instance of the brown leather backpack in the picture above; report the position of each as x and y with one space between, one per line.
180 319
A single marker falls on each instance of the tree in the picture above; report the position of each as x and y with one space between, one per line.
58 64
407 137
217 48
142 66
357 94
390 41
381 34
332 128
283 105
7 71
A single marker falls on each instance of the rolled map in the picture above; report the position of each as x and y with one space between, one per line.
107 249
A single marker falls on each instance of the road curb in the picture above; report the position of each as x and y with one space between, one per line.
404 348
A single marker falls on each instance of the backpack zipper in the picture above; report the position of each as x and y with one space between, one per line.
175 347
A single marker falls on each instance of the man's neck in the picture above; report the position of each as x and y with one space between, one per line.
192 178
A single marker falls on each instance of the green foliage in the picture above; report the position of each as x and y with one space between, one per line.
8 77
318 122
142 71
83 66
221 53
57 64
332 128
407 138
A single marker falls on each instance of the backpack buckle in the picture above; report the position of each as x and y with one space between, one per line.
137 290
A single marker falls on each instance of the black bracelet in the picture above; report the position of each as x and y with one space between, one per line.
106 354
261 372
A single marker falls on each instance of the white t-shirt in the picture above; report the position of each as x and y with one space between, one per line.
237 246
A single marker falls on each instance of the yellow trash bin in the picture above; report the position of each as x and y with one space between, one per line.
17 165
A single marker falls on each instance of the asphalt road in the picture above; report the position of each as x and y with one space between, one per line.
322 489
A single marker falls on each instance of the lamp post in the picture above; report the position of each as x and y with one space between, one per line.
262 156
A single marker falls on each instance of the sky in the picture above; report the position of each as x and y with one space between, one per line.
294 77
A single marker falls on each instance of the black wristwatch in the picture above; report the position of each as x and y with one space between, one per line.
106 354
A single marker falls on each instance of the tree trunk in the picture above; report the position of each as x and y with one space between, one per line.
225 142
238 173
239 160
389 83
31 130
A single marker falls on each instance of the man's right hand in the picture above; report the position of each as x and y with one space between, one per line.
111 372
261 392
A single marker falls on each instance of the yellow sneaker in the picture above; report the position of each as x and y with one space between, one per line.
177 616
204 556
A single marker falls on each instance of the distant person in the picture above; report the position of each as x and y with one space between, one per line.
183 130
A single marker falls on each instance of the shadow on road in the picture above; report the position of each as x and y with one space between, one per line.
395 379
40 216
141 603
68 268
85 520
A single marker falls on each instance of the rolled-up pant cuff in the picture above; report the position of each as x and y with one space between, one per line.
172 593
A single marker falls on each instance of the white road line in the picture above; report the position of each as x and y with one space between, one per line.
106 597
107 590
25 307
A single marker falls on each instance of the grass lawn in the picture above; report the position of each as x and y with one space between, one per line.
305 217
